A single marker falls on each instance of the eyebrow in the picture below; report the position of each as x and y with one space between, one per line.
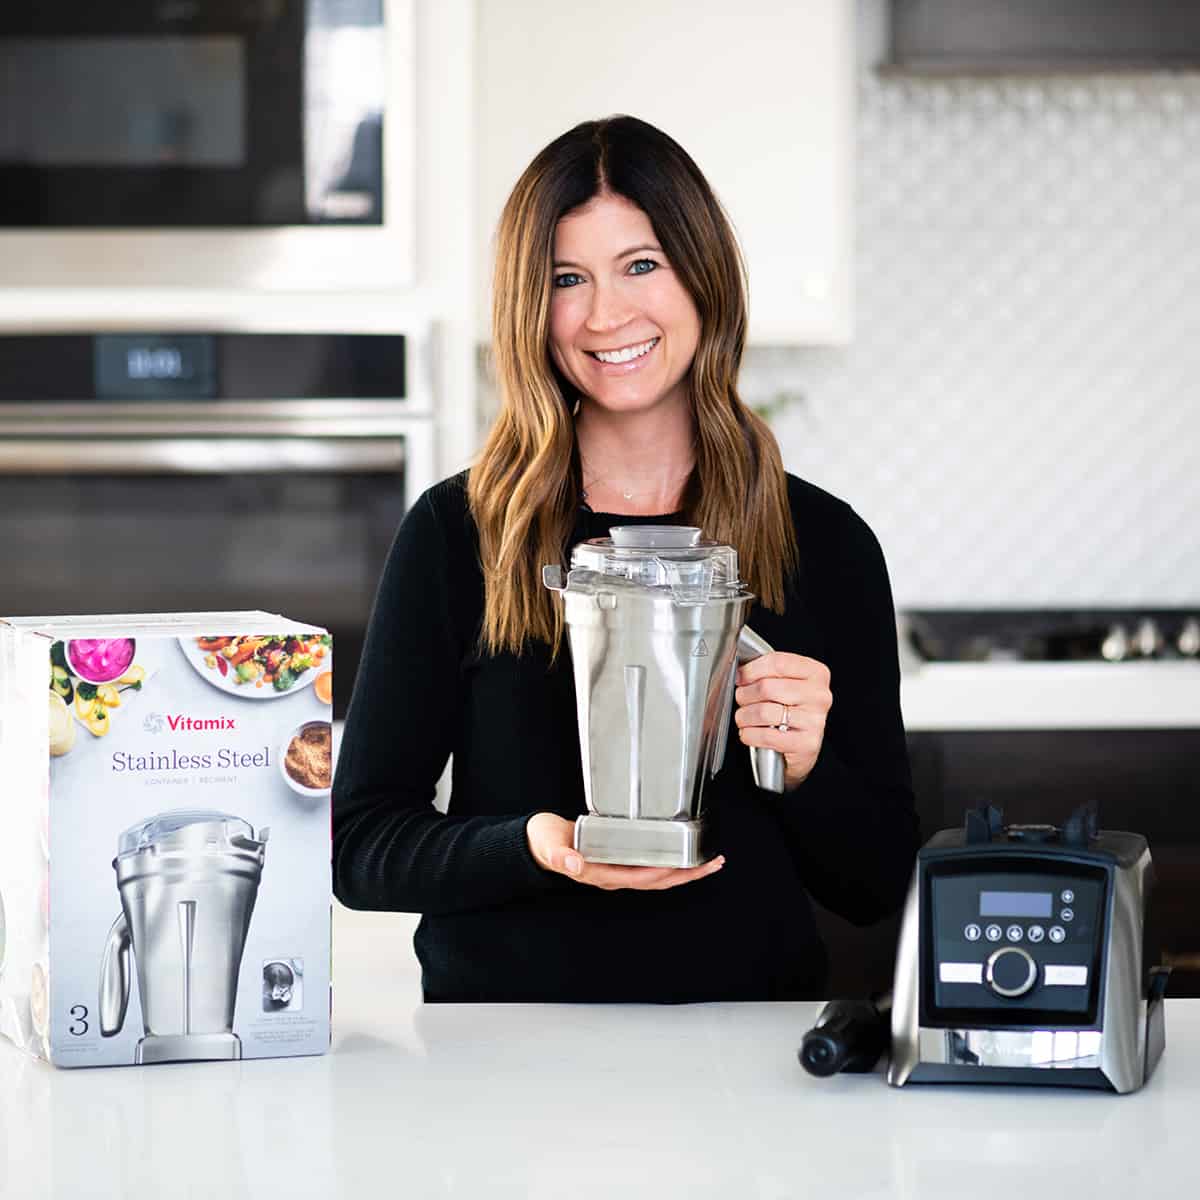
616 258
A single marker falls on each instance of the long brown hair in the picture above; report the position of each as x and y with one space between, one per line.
524 490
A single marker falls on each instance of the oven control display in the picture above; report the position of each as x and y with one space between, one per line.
1009 941
154 366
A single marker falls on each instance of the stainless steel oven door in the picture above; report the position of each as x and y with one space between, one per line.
175 520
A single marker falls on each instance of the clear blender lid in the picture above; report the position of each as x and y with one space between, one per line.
674 558
195 827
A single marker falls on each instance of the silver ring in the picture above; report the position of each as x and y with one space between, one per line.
783 724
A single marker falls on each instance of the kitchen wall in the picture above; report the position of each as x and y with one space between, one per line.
1018 415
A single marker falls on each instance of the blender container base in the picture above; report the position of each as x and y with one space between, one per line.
188 1047
641 842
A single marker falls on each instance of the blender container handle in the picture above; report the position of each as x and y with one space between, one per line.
766 764
114 978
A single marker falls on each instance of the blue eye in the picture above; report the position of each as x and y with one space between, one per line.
569 279
642 266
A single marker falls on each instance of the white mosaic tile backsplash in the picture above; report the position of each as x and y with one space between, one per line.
1017 416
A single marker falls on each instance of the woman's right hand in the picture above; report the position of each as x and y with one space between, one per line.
552 843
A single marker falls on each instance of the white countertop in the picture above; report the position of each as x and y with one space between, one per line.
1035 695
574 1101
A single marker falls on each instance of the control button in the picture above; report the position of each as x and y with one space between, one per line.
1010 972
1058 933
1036 933
1068 896
993 933
1015 933
972 932
1064 975
1067 916
951 972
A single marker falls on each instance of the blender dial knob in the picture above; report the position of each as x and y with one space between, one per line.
1010 972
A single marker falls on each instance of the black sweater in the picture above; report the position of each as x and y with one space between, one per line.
498 927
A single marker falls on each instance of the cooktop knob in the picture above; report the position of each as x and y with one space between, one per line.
1010 972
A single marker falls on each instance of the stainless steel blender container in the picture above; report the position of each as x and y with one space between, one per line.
188 881
655 619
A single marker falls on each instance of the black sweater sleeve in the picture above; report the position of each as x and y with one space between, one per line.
852 825
392 849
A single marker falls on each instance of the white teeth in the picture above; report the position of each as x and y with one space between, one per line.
626 355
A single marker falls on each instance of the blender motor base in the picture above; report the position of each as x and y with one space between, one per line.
188 1047
643 842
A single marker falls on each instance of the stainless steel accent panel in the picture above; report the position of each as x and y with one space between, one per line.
640 843
197 456
216 418
906 990
1006 1048
1123 1055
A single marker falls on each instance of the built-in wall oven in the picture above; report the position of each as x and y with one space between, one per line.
168 472
197 143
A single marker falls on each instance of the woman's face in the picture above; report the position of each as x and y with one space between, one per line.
622 328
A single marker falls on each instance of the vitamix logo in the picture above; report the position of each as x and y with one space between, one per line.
178 723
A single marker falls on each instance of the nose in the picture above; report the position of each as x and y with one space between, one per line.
609 310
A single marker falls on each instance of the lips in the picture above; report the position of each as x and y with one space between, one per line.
625 353
622 360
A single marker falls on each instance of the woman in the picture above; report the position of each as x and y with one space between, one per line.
619 323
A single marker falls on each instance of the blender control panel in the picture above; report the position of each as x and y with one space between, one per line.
1016 941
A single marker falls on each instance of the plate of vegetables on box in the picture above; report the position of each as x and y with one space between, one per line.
90 679
265 666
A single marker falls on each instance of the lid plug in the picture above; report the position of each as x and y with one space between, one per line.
1082 825
983 824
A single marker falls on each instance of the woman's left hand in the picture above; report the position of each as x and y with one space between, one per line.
782 702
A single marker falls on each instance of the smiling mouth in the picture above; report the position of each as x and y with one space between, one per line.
626 354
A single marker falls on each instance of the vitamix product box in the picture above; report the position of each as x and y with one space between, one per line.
164 837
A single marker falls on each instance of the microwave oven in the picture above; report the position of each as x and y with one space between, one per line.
206 143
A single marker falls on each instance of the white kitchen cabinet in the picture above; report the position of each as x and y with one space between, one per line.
761 94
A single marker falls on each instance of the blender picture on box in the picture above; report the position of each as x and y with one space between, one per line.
167 836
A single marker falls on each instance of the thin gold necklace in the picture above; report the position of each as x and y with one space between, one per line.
627 493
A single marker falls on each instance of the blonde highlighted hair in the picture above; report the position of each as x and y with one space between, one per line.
524 489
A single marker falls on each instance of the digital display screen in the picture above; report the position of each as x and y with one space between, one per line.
1016 904
155 366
